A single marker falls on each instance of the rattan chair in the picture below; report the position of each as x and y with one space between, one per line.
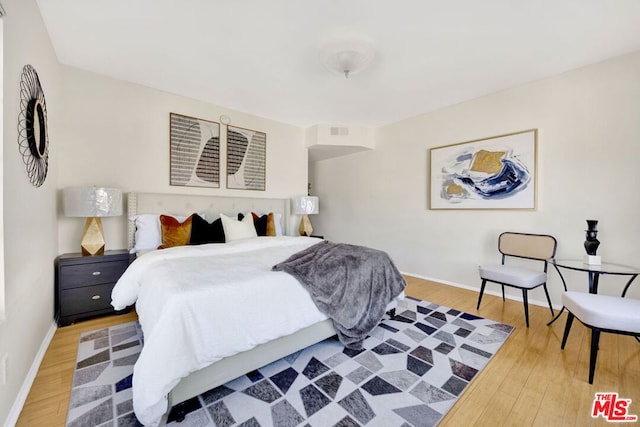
537 248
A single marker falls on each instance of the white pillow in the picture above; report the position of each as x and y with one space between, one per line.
148 234
236 230
278 221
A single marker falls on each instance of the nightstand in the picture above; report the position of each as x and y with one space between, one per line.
84 284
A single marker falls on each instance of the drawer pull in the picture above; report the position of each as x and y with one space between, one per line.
95 297
96 273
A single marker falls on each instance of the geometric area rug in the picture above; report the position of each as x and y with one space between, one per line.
411 371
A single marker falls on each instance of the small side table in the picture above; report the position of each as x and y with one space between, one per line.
84 284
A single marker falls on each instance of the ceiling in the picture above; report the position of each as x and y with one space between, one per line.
263 57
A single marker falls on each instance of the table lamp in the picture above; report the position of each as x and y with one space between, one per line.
305 206
92 203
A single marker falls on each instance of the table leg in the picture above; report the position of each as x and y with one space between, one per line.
593 282
564 284
557 316
624 292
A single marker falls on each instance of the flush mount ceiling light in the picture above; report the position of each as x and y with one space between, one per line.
347 57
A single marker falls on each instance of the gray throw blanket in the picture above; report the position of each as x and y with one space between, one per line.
351 284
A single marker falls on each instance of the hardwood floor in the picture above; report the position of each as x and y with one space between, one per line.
530 381
48 399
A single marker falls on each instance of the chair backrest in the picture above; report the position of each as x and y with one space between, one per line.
525 245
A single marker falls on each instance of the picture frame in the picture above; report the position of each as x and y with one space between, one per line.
498 172
194 151
246 159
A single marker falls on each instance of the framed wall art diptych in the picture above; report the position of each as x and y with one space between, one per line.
490 173
246 159
194 152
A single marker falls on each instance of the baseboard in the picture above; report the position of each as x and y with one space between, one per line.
486 291
18 404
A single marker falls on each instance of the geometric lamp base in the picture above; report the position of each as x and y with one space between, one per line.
93 237
305 228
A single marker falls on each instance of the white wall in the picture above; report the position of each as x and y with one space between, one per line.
588 151
103 132
108 132
30 221
117 134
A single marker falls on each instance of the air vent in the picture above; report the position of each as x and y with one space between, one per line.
339 131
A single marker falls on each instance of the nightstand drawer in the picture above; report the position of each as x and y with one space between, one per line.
78 275
86 299
84 284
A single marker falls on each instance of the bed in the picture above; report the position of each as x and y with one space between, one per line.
295 326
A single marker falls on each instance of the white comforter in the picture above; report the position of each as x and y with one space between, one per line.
199 304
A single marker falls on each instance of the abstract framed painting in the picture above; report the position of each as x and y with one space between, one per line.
489 173
194 151
246 159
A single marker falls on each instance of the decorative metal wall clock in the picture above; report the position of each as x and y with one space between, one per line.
32 127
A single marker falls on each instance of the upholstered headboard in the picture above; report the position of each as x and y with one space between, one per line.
211 206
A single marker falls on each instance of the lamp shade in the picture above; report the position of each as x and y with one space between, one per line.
306 205
91 201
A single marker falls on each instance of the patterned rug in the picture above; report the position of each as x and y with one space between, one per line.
412 370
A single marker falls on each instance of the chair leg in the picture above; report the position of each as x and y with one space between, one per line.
484 283
502 292
595 338
525 299
567 328
548 299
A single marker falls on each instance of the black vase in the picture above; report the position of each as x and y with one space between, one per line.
592 242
